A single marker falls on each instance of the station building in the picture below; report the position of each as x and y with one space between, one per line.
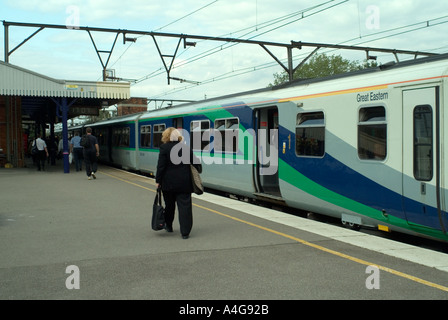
32 103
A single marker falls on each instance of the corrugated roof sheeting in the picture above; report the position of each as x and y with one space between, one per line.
16 81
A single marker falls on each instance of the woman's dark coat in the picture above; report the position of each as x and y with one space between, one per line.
175 177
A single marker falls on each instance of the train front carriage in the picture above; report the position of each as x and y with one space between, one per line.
368 148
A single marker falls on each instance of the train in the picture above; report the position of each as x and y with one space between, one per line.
367 147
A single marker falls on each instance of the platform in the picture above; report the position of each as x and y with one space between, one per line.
59 230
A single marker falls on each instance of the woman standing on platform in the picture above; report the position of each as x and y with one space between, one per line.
174 177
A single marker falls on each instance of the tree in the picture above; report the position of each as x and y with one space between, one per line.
321 65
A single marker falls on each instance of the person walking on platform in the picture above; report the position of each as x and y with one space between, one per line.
42 152
76 151
174 177
91 153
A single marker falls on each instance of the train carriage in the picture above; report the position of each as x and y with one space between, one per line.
117 141
383 148
367 147
150 127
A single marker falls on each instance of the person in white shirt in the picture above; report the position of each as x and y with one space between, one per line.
42 153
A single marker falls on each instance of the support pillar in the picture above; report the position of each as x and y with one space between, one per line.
65 151
62 111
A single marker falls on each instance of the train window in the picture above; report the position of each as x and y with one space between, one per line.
220 124
423 141
126 137
178 123
120 137
158 130
145 136
200 135
310 134
226 135
372 133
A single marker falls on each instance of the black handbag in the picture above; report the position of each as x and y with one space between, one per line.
158 212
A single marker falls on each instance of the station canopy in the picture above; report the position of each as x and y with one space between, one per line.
40 93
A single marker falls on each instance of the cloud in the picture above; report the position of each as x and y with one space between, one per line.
70 54
48 6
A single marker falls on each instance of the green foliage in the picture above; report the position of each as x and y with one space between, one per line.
322 65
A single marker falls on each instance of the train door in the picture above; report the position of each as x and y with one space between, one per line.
421 159
267 155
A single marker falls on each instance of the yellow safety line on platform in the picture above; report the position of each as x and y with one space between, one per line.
127 181
304 242
336 253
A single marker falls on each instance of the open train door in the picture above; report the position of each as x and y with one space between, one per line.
422 172
266 170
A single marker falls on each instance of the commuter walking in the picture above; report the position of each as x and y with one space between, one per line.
76 151
42 152
91 153
174 177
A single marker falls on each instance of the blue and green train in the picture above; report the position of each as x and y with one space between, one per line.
367 147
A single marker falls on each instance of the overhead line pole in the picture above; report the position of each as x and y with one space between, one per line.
293 44
289 46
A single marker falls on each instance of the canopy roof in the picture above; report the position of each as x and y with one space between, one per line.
17 81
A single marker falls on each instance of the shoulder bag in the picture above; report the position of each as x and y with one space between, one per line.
196 180
34 149
158 212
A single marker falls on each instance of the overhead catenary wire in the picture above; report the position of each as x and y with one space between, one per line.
187 15
382 35
226 46
158 29
260 26
242 71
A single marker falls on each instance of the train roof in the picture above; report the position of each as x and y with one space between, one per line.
274 94
271 93
124 118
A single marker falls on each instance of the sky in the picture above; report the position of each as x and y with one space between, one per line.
211 68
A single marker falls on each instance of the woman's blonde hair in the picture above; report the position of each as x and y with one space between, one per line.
171 134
